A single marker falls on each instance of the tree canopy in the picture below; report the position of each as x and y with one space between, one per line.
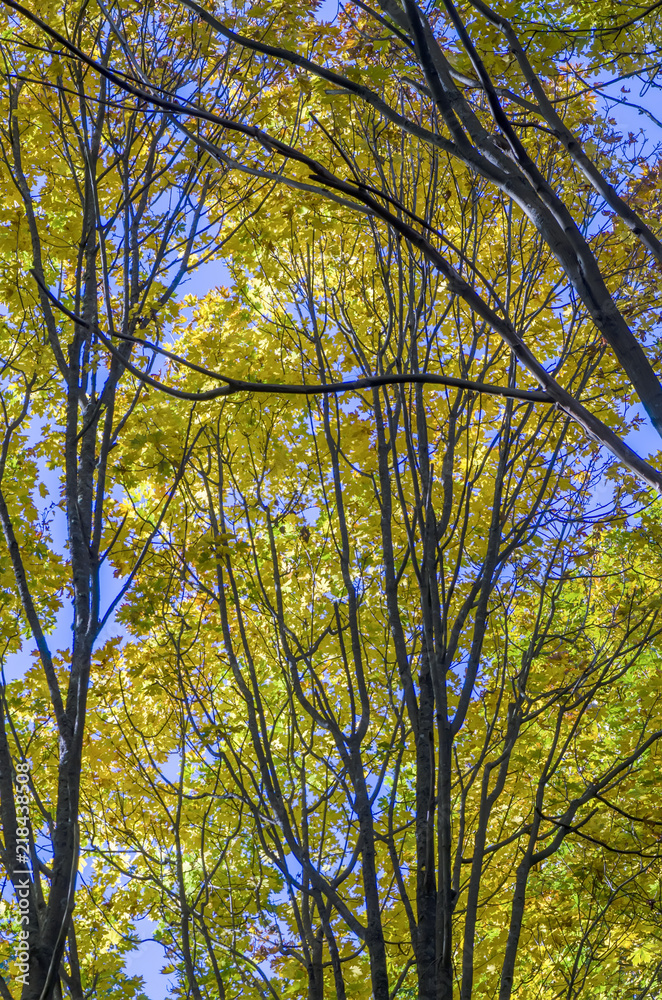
357 556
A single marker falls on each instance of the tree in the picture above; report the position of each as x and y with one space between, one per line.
317 637
418 646
101 206
502 161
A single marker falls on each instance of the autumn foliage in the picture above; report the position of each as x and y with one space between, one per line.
329 601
